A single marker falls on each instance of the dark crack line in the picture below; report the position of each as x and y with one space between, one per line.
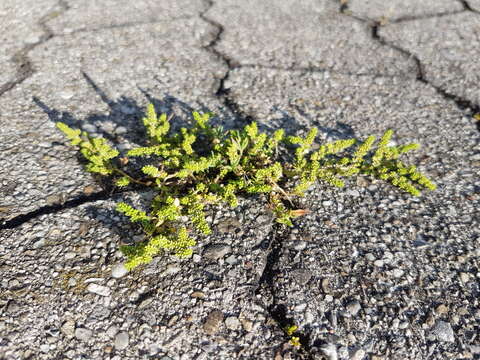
467 6
23 64
266 280
51 209
265 288
462 104
374 33
424 17
222 92
344 10
124 25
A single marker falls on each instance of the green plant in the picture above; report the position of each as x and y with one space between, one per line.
205 164
294 340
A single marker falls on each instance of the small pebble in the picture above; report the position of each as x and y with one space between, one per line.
70 255
197 294
153 349
121 340
464 277
357 354
66 95
89 128
247 325
326 285
14 284
55 199
263 219
172 269
112 331
119 271
212 323
40 243
378 263
300 245
68 328
98 289
216 251
397 273
353 307
120 130
83 334
370 257
127 110
231 260
441 309
330 351
443 331
232 323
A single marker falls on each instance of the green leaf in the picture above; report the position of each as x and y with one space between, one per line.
202 166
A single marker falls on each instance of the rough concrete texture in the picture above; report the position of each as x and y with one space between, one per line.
74 89
369 231
38 169
387 11
20 33
92 15
302 36
448 59
65 302
369 273
474 4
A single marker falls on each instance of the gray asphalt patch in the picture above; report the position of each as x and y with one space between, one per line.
387 11
260 33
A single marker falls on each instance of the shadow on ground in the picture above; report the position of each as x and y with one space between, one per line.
126 114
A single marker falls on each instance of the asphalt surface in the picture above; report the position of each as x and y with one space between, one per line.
369 273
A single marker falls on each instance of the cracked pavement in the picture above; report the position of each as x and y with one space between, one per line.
370 273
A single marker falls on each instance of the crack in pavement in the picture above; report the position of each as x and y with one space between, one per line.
50 209
223 93
463 104
55 208
26 70
385 21
265 283
123 25
24 65
265 290
467 6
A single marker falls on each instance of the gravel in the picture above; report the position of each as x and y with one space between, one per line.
83 334
368 273
119 271
99 290
121 341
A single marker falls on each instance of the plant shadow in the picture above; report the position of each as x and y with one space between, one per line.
122 127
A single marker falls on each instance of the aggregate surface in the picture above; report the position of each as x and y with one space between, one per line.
388 11
370 273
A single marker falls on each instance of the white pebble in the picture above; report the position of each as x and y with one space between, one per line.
121 340
119 271
98 289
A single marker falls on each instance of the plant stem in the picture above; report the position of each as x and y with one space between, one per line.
123 173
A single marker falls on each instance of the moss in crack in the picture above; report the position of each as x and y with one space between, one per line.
203 165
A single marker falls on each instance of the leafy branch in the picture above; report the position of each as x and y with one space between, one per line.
204 165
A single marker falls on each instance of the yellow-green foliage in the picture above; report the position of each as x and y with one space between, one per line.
294 340
204 165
